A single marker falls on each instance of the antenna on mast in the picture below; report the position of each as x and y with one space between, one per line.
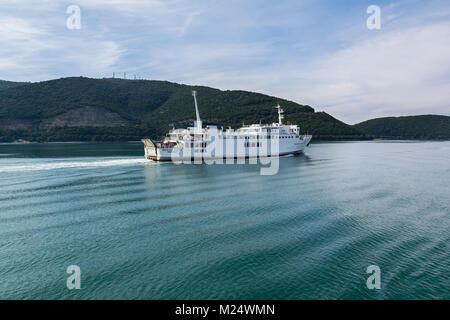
280 114
198 123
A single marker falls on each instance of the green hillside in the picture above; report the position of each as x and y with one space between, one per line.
425 127
40 111
8 84
130 99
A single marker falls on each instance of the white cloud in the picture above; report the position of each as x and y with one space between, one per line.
395 73
20 41
171 16
340 67
31 51
223 65
92 58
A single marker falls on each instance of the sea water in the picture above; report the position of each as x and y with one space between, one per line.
144 230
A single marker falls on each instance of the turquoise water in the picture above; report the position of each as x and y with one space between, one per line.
142 230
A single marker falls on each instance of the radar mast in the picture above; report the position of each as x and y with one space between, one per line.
280 114
198 123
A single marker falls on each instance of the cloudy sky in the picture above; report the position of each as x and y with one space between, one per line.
313 52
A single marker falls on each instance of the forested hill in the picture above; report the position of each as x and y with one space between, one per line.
79 109
8 84
427 127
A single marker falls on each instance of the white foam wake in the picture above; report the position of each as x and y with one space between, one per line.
70 164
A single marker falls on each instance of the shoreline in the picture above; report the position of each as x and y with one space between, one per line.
314 141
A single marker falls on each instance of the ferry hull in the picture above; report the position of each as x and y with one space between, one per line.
157 153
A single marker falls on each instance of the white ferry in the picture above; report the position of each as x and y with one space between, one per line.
209 143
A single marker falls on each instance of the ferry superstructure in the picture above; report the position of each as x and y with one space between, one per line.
210 142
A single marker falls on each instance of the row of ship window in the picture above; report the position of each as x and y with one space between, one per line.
263 137
203 144
259 137
197 145
252 144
